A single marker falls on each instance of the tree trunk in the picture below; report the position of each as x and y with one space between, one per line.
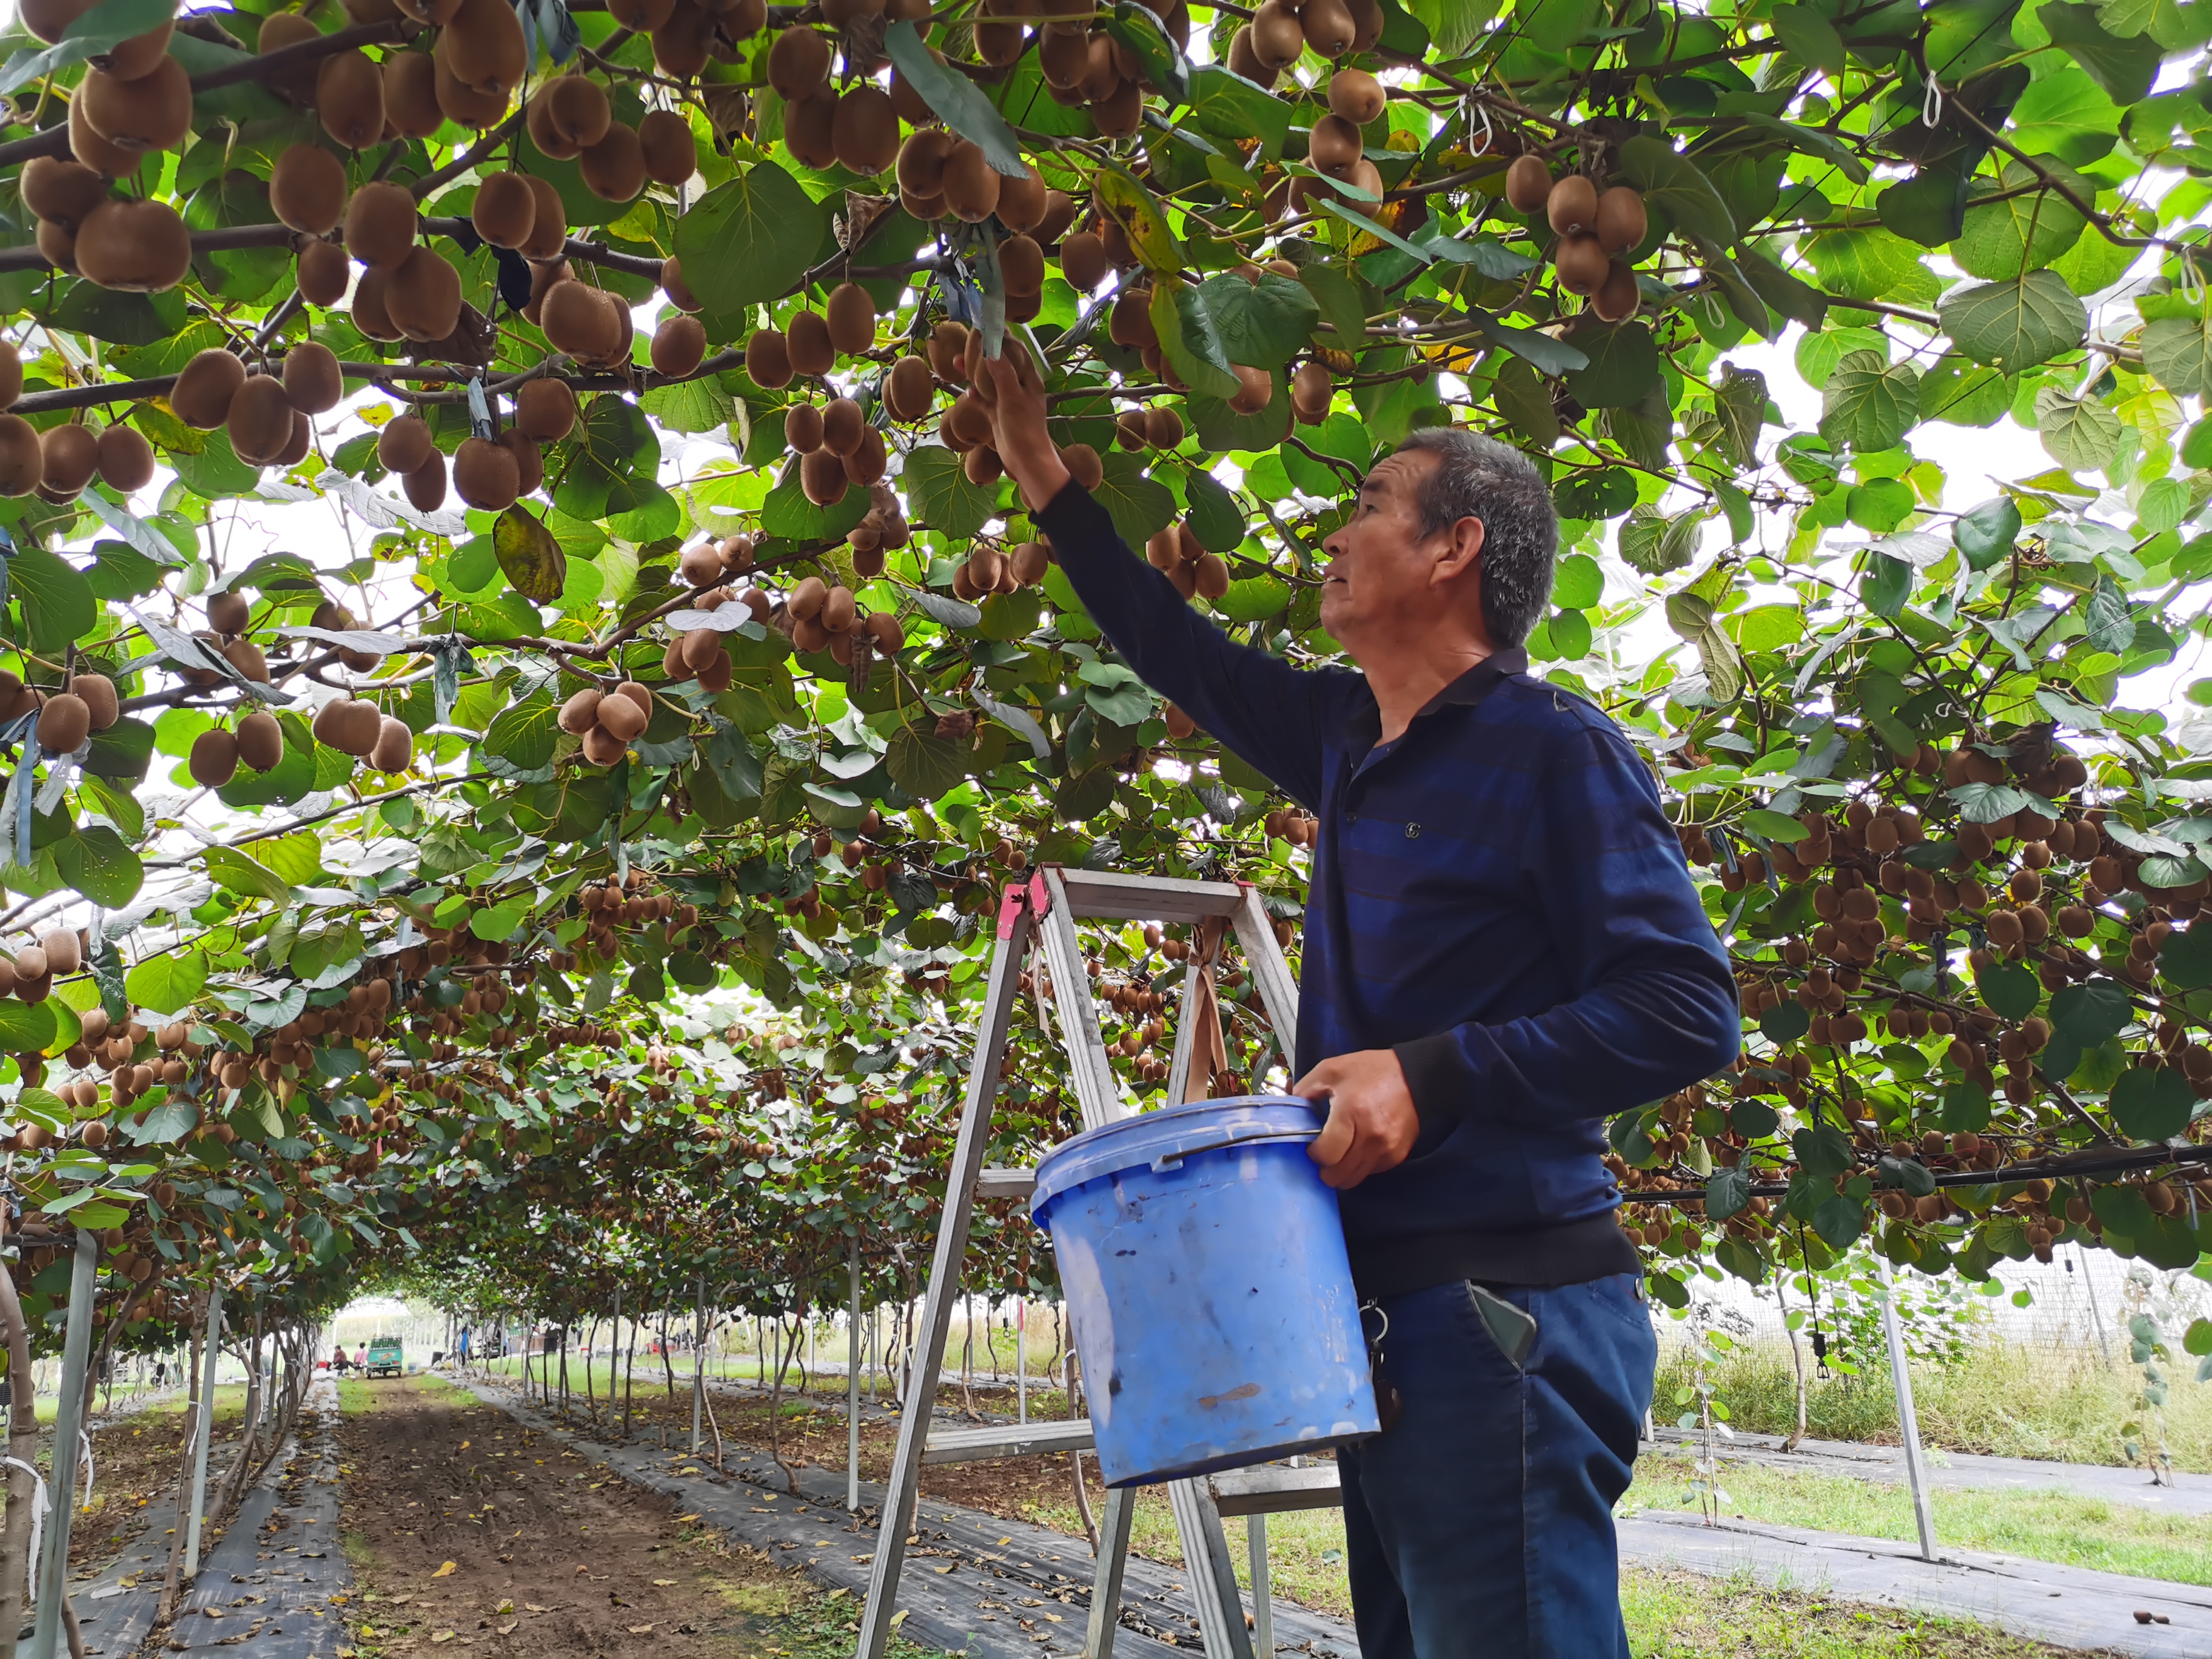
16 1564
776 1403
173 1578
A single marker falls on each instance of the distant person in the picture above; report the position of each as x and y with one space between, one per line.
161 1373
338 1360
465 1347
361 1356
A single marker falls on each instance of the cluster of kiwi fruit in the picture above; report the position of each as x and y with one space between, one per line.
1129 324
356 726
607 722
86 703
57 465
820 615
265 416
1287 824
1081 66
1278 34
957 357
136 1061
29 975
1196 573
1598 231
987 570
570 120
1337 150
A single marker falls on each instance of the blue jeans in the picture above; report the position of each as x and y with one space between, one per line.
1482 1522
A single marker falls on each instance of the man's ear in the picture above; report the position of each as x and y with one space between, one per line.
1461 552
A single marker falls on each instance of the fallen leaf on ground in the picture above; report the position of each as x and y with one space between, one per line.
663 1582
445 1571
508 1629
441 1636
641 1629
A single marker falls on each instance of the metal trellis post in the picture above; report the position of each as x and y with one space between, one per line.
77 1353
852 1357
1908 1423
205 1430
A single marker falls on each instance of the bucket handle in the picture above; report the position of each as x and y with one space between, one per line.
1171 1161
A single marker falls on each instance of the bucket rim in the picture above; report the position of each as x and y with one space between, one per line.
1156 1139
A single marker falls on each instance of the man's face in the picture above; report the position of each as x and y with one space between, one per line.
1380 584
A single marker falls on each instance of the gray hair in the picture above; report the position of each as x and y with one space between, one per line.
1479 477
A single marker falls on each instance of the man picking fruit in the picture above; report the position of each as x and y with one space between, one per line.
1502 949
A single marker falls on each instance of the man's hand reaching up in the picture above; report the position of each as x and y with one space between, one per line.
1031 458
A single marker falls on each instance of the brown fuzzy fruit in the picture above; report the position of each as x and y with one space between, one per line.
1277 40
410 94
65 723
21 461
579 319
200 396
822 475
909 389
1336 146
483 47
865 133
404 445
260 740
1357 96
1571 208
620 717
154 112
486 475
810 128
506 210
422 295
137 247
971 183
349 99
394 749
1621 222
380 225
1084 261
641 16
308 190
529 460
851 315
843 425
1084 465
1328 26
671 153
60 192
921 160
806 338
246 657
768 359
311 379
1311 388
57 246
582 712
602 747
797 63
97 692
126 459
680 345
65 951
549 225
545 409
92 150
1528 184
260 420
682 46
1617 298
701 565
802 427
213 760
1021 265
68 457
614 168
461 103
1581 263
1024 202
323 273
672 285
576 114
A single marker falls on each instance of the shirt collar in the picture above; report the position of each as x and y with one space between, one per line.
1365 728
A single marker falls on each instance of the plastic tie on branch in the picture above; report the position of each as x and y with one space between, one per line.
1489 133
549 23
964 300
992 319
41 1505
479 409
2191 284
1932 105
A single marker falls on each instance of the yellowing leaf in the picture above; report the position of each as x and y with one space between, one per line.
445 1571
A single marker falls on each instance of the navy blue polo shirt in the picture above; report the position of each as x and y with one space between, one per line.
1496 895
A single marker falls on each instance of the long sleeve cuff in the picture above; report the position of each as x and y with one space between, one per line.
1436 1076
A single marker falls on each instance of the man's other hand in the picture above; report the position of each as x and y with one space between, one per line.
1371 1121
1018 433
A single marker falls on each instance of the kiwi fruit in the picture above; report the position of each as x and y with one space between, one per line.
260 420
671 153
680 345
869 460
1244 60
69 455
806 338
842 423
57 246
971 183
60 192
1021 265
260 740
245 656
529 460
404 445
641 16
810 128
91 149
851 316
614 168
380 225
1581 263
822 475
1571 208
64 949
97 692
126 459
921 160
1356 96
602 748
229 613
138 247
548 224
296 82
1277 38
368 313
64 725
545 409
1130 322
1336 146
865 133
581 713
394 749
575 112
22 464
200 396
768 359
1022 202
312 380
682 46
154 112
410 94
308 190
701 565
1120 114
1083 262
674 288
426 485
620 717
486 475
1328 26
214 759
483 47
505 210
461 103
579 319
323 273
1312 386
909 389
423 297
1528 184
49 20
1616 298
1063 59
797 63
1620 221
349 99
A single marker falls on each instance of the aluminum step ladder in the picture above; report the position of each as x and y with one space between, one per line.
1045 910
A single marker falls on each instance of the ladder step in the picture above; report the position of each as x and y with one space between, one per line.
1007 1440
1271 1489
1100 894
1005 1183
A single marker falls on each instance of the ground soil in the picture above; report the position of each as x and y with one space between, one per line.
136 1457
466 1529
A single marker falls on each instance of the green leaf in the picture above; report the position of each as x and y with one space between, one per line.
2178 353
924 765
2186 960
59 607
1785 1022
2093 1013
1214 516
788 512
1624 364
1138 212
1673 185
1262 325
94 860
524 734
1140 506
1869 405
958 102
2079 434
752 236
1337 297
2010 988
941 495
2067 115
2021 227
2014 326
1985 534
27 1028
1775 826
229 868
1809 38
1726 1191
166 984
2152 1105
1230 107
2123 68
529 554
1191 341
1252 598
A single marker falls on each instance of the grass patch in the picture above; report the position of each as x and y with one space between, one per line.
2007 1400
1672 1614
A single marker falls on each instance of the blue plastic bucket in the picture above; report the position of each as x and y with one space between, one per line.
1205 1270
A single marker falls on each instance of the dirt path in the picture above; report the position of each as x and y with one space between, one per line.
467 1530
